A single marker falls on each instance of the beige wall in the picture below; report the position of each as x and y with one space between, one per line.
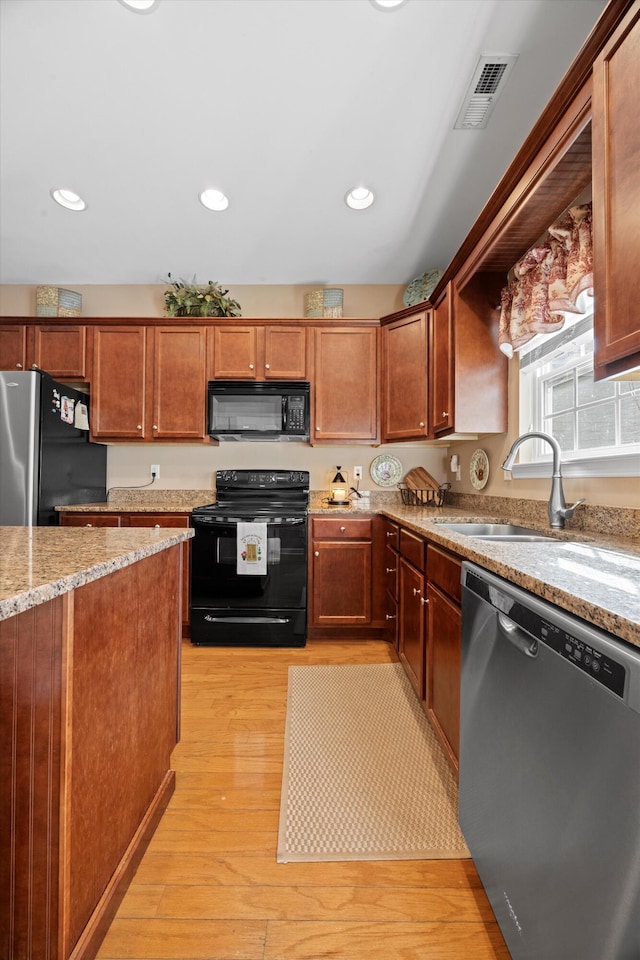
191 466
146 300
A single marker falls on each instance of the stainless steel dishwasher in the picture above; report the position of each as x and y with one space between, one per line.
550 774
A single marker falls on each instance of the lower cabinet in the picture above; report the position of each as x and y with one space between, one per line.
411 625
444 632
141 520
340 567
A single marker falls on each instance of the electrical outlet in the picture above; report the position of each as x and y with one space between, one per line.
357 473
155 471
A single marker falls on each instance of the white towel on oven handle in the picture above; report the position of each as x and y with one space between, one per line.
251 540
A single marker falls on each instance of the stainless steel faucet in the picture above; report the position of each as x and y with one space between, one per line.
558 509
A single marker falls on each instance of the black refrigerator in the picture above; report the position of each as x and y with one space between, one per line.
46 458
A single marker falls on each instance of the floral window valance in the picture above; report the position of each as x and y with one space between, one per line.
547 280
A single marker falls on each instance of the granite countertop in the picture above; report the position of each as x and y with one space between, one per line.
40 563
143 501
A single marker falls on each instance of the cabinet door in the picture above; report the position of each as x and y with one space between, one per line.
404 360
161 520
13 347
443 667
341 582
616 199
411 628
345 385
179 383
441 417
235 353
61 351
118 384
285 353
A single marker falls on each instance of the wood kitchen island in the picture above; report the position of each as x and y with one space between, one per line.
90 663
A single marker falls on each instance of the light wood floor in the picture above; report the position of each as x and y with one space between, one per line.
209 887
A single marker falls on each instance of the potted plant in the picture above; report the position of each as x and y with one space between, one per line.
197 300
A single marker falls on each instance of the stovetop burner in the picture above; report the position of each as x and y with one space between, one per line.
246 494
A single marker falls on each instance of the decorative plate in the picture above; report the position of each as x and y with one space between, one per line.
386 470
479 469
421 288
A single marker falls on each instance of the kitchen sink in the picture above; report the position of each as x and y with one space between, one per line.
497 531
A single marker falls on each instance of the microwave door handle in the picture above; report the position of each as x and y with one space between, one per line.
284 413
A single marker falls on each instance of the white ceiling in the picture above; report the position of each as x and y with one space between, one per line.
282 104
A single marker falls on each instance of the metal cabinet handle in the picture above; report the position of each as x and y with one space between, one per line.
445 414
317 428
389 616
391 569
316 553
267 366
157 526
19 366
139 426
155 426
342 529
390 533
416 592
250 366
421 424
423 600
88 524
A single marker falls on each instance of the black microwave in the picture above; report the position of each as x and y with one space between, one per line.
258 410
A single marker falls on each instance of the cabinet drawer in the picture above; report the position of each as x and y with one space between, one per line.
413 548
90 520
390 532
156 520
444 571
341 528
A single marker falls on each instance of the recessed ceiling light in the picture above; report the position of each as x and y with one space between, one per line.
359 198
388 4
68 199
140 6
214 200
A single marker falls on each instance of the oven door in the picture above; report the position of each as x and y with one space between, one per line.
231 609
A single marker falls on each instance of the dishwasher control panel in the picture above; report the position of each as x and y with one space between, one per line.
569 644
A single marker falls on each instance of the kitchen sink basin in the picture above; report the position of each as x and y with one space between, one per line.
497 531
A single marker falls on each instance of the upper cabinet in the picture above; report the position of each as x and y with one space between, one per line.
345 401
251 352
616 200
441 365
148 383
60 349
404 401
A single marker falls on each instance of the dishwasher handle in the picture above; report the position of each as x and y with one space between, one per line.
519 638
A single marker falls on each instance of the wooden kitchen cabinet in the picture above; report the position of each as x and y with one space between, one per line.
616 200
441 365
149 383
139 519
444 636
389 541
58 349
345 385
259 353
340 566
412 624
404 402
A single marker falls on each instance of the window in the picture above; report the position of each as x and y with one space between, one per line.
596 424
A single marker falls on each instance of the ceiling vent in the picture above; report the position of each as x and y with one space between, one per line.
486 86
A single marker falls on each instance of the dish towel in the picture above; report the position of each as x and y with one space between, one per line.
251 543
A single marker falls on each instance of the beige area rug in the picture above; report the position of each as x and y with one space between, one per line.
364 775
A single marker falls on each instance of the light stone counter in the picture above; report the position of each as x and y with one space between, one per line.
590 575
40 563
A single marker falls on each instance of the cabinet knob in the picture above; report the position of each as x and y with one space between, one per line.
88 524
421 424
390 533
389 616
391 569
316 553
416 591
250 366
139 426
267 366
342 529
423 600
19 366
317 428
157 526
155 426
444 414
